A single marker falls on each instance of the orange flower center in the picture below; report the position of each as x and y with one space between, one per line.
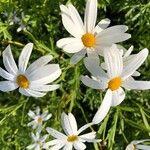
115 83
22 81
72 138
88 40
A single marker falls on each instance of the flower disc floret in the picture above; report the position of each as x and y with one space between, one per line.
115 83
88 40
72 138
22 81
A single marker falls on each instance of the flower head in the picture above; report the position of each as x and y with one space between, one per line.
38 142
118 76
136 145
38 118
88 38
32 81
72 138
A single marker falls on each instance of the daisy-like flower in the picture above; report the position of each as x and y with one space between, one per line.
38 142
88 38
71 139
32 81
136 145
38 118
117 76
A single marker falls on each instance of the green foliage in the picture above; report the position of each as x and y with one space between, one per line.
127 122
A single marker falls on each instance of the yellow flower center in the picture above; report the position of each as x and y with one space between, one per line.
22 81
88 40
39 120
72 138
115 83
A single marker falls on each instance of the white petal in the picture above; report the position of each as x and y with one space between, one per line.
31 114
39 63
70 45
88 136
47 117
24 57
114 61
139 141
79 145
95 84
66 124
68 146
117 97
45 75
128 52
137 85
37 147
104 108
74 47
69 23
56 134
9 61
103 24
73 123
32 93
76 18
130 147
58 146
44 88
90 15
53 142
84 127
143 147
7 86
92 64
136 74
6 75
112 38
113 30
135 63
77 56
31 146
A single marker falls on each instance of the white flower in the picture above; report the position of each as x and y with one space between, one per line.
72 139
88 38
117 76
32 81
38 118
38 142
135 145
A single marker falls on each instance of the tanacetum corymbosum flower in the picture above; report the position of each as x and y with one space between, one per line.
118 76
32 81
72 138
86 37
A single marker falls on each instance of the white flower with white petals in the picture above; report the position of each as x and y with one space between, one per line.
38 118
32 81
88 38
38 142
136 145
117 76
71 139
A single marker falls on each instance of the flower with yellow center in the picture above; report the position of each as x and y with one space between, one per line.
116 77
38 118
32 81
38 141
87 37
72 138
